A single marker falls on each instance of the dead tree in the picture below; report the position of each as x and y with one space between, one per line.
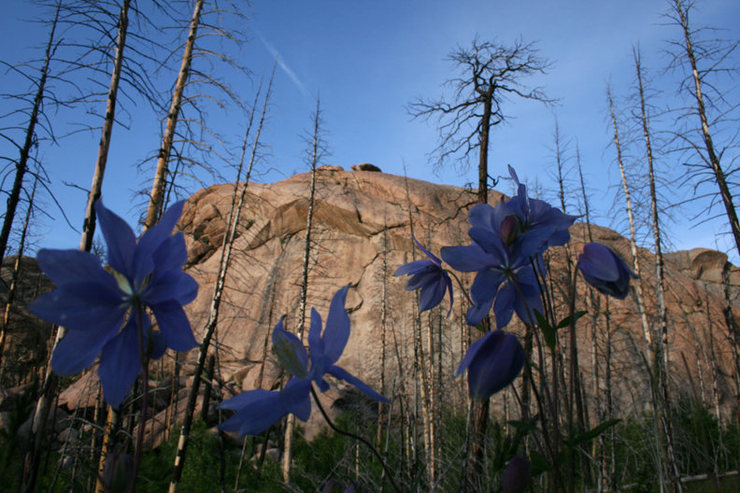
30 138
317 151
88 226
705 62
662 360
213 314
156 198
15 276
489 74
649 347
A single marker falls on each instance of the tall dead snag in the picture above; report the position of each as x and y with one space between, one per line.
316 153
88 226
158 186
489 75
706 60
33 454
383 327
661 361
15 275
649 347
210 326
21 165
574 401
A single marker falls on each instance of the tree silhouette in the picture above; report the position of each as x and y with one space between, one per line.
489 74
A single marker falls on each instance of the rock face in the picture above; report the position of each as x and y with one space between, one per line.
24 345
361 235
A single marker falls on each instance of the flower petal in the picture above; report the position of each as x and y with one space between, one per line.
495 365
503 307
290 351
119 238
296 397
429 254
469 258
81 306
173 285
414 267
315 343
73 266
432 294
120 364
174 325
257 410
477 312
336 332
77 350
343 374
485 285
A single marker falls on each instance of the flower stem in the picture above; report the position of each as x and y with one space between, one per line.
462 288
356 437
144 356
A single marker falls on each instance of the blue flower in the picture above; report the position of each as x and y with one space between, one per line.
493 362
538 220
257 410
516 475
102 308
503 275
605 270
508 242
428 275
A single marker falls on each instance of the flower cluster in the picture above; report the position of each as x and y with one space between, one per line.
506 255
104 310
257 410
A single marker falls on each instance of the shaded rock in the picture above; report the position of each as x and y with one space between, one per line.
365 167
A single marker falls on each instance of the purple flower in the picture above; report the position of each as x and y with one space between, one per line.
508 242
428 275
516 475
101 309
503 275
493 362
605 270
257 410
540 223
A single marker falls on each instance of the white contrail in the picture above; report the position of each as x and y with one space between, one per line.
281 63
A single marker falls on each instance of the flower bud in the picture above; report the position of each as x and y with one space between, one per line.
605 270
516 475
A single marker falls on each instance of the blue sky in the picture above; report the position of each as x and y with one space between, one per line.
368 60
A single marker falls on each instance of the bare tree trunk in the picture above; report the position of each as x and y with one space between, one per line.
383 322
612 471
21 166
649 347
88 226
662 359
15 276
160 177
485 128
711 358
315 151
210 326
733 333
31 460
701 111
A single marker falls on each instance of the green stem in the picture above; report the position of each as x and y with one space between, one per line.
144 356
